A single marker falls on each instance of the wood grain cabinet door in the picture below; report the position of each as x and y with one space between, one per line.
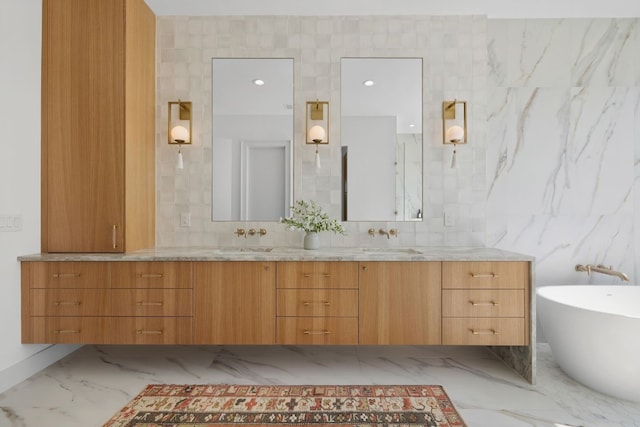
83 125
234 302
98 126
400 303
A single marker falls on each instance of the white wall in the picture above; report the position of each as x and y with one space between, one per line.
20 23
372 147
230 130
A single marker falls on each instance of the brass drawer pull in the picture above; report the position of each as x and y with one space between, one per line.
323 332
308 303
150 303
491 303
325 275
61 275
66 331
150 275
149 332
484 275
67 303
114 236
484 332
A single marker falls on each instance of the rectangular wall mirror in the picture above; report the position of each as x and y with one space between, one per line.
252 106
381 133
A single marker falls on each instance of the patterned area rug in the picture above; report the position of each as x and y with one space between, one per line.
230 405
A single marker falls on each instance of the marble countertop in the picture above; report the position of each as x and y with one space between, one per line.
256 253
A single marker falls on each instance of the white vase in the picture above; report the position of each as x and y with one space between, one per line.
311 240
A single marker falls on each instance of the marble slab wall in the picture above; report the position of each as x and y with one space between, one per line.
454 66
563 150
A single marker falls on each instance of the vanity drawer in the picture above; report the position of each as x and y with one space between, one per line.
151 330
67 274
68 330
151 274
317 330
485 275
152 302
317 274
483 303
317 302
69 302
483 331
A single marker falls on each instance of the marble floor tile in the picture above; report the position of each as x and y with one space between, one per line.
87 387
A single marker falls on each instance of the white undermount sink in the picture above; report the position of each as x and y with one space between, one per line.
250 249
406 251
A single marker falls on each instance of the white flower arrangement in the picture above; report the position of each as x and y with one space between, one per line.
309 217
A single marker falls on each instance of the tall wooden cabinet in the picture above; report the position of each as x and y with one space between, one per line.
98 126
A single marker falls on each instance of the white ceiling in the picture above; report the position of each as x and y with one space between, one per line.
491 8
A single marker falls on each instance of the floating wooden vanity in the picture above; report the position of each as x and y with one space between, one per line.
289 298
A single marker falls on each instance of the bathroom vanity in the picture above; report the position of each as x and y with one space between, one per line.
337 296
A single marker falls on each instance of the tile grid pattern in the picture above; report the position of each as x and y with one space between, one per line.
454 63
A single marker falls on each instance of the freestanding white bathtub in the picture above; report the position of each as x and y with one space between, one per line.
594 334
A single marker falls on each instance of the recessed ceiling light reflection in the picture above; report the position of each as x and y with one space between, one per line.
258 82
368 83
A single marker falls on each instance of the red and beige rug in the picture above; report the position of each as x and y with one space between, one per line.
230 405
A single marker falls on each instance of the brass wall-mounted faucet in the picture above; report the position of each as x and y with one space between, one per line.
383 232
589 268
251 232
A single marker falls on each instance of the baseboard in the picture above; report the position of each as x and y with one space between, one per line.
33 364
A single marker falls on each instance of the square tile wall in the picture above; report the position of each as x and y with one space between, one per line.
454 52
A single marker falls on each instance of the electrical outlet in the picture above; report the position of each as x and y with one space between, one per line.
185 219
449 218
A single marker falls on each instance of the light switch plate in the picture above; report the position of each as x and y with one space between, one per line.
10 222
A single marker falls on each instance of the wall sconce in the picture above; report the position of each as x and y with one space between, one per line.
317 125
454 125
179 129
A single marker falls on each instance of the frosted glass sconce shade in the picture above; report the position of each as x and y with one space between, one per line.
454 135
180 134
317 133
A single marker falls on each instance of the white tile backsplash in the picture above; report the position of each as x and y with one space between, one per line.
454 60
